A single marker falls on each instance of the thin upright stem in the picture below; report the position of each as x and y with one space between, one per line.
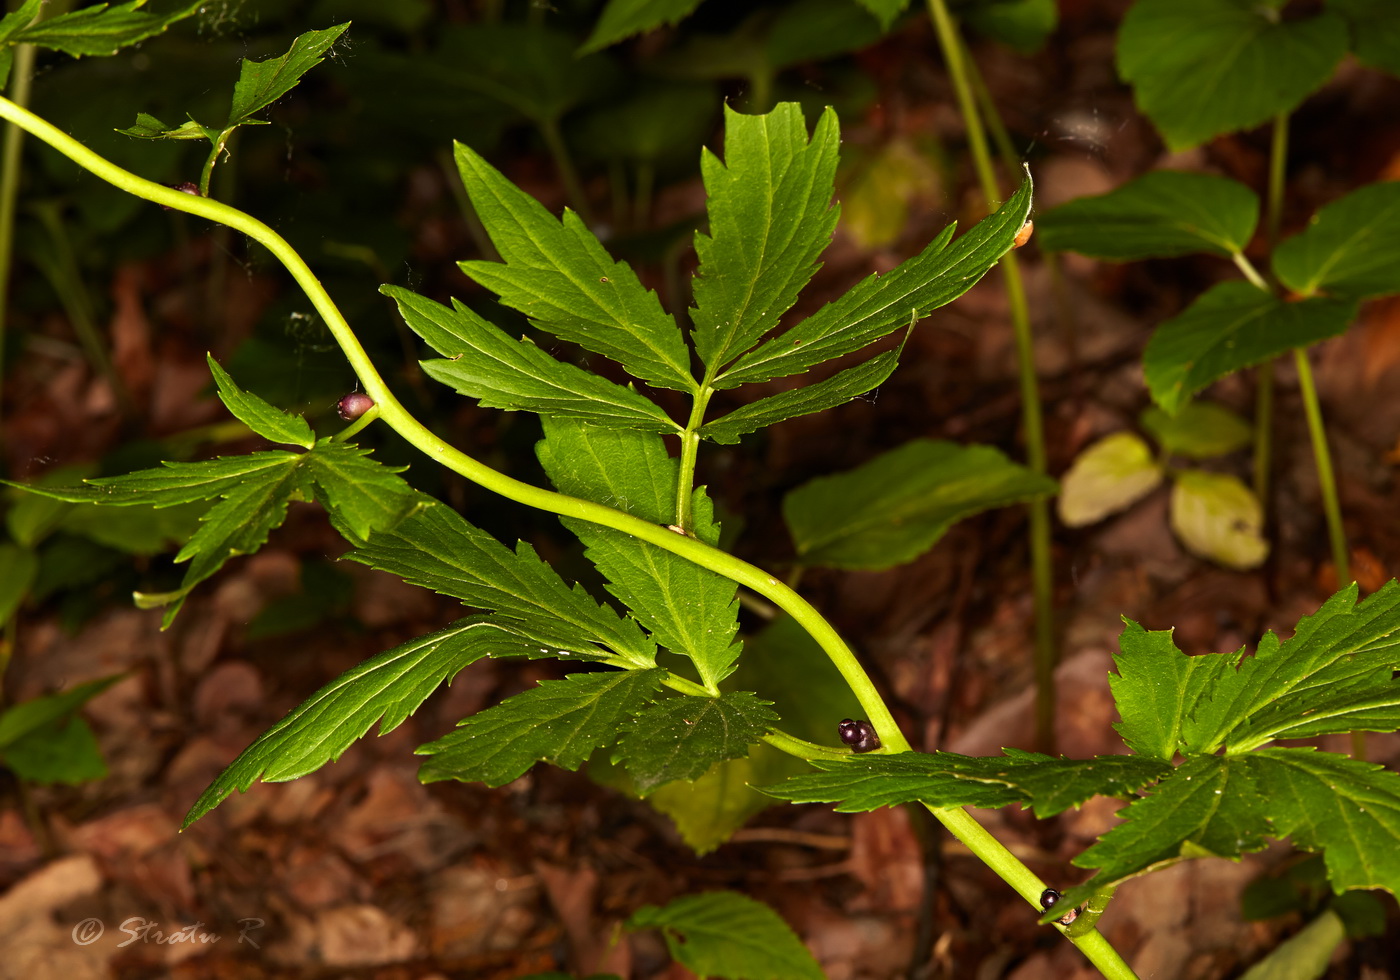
1327 482
1042 578
21 81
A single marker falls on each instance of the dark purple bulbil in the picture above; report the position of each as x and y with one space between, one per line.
859 735
353 405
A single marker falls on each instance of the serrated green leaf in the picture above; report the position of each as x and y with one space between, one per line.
724 934
559 722
1158 689
361 495
943 779
63 751
1345 652
484 363
436 548
20 565
1375 32
270 422
20 720
1350 250
18 19
771 216
1163 213
1201 430
557 273
879 305
1023 25
1200 68
895 507
1346 809
100 31
690 610
622 18
1217 517
261 83
237 525
1208 806
805 400
386 688
681 738
1110 475
1231 326
171 483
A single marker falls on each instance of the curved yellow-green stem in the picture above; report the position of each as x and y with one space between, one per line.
957 821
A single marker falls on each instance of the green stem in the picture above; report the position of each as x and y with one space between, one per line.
977 839
1327 482
690 450
1042 578
1256 279
21 80
1278 169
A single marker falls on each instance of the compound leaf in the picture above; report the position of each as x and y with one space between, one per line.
434 547
558 274
943 779
261 83
896 506
879 305
96 30
559 722
805 400
484 363
270 422
1350 250
1200 68
1232 326
724 934
689 609
1163 213
622 18
771 216
1110 475
683 737
386 688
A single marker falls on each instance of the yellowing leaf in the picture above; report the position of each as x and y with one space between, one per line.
1110 475
1218 517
